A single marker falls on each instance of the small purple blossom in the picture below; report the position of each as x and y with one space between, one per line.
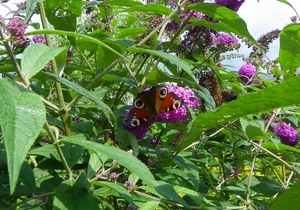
129 185
295 19
39 39
148 162
170 2
21 6
43 139
133 207
16 28
220 65
230 4
247 72
43 199
114 176
287 134
155 142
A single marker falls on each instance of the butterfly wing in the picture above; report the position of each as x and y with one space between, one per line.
143 109
152 102
171 102
165 101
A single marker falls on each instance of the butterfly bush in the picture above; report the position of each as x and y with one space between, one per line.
287 134
179 115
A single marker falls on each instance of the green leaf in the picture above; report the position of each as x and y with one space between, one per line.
105 56
263 186
195 196
101 106
122 157
76 35
30 9
95 163
27 177
26 174
253 132
128 32
289 52
287 199
122 191
168 192
81 182
150 205
22 116
267 99
190 169
7 68
230 20
172 58
157 9
72 153
132 163
66 198
36 56
280 147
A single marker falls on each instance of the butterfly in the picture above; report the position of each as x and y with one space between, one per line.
152 102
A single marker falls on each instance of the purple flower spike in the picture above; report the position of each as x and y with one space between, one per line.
180 115
17 27
247 71
287 134
231 4
223 38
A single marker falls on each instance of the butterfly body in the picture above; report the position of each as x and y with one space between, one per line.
152 102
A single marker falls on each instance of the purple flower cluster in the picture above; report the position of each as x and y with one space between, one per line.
223 38
287 134
172 26
247 72
231 4
179 115
17 27
295 18
39 39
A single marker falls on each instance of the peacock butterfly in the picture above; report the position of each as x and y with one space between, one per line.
152 102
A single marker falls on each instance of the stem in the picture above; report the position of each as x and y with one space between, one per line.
277 158
161 24
64 115
89 86
54 140
11 55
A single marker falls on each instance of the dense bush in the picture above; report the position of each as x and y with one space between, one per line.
120 104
